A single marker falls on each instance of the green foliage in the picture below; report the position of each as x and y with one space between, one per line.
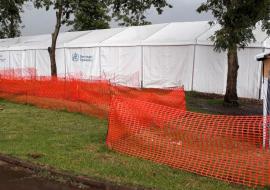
10 18
237 19
132 12
91 15
96 14
66 6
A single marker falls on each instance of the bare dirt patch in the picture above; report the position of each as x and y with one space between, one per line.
211 103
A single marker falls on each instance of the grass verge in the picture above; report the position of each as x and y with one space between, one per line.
76 143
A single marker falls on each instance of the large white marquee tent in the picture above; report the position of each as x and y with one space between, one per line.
152 56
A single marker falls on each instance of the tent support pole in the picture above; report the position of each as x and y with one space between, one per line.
193 65
99 62
65 62
261 78
35 65
142 63
194 55
9 60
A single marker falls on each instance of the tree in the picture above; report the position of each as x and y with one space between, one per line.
130 12
95 14
237 19
91 15
10 18
63 12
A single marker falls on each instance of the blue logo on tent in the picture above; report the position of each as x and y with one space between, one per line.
75 57
83 58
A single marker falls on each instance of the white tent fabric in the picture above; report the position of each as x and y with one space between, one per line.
210 70
32 51
43 63
153 56
121 65
133 36
83 56
4 53
93 38
183 33
29 62
4 60
167 66
82 63
17 59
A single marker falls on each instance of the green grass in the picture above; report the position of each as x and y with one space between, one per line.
217 101
76 143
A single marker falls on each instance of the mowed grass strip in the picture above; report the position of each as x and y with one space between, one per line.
76 143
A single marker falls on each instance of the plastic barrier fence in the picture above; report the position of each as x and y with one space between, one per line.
89 97
223 147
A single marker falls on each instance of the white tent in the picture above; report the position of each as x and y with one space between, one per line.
32 52
158 56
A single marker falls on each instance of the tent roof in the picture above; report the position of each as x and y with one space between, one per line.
30 42
178 33
6 43
260 36
133 35
94 37
44 41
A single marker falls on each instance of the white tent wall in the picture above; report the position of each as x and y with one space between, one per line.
82 63
210 70
29 64
60 62
122 65
17 59
4 60
167 66
43 66
249 73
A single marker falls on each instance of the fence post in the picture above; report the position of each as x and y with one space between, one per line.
142 64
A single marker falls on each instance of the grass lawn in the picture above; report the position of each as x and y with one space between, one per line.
76 143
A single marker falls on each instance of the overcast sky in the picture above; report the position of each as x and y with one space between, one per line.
42 22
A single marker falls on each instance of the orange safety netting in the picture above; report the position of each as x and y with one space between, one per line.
89 97
224 147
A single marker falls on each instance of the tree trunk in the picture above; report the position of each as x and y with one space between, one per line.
55 34
231 97
12 28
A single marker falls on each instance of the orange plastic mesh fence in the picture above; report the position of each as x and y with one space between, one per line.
18 72
224 147
89 97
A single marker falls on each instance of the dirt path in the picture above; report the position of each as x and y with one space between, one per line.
13 178
214 105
